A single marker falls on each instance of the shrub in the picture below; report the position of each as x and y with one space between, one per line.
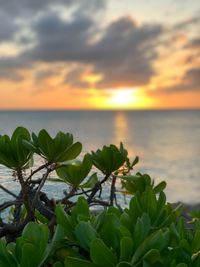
66 232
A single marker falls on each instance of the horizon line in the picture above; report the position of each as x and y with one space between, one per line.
95 109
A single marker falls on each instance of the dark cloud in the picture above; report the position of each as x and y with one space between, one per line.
7 27
126 52
32 7
58 40
123 55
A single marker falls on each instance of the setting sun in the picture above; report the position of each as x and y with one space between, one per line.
127 98
123 98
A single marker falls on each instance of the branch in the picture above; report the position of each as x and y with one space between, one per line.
37 170
44 178
112 190
97 187
7 204
8 191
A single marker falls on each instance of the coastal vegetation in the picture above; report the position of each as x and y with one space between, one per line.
87 226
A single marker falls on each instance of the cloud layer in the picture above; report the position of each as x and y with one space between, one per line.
122 52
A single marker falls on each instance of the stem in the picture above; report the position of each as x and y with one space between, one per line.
112 190
37 170
25 195
45 176
97 187
8 191
7 204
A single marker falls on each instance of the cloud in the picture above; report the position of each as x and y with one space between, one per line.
24 8
193 44
10 68
7 27
124 54
191 79
189 83
59 40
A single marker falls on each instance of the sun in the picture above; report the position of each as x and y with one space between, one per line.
123 98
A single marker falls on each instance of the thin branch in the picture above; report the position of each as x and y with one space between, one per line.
37 170
44 178
113 190
7 204
97 187
8 191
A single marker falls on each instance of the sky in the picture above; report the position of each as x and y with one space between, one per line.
99 54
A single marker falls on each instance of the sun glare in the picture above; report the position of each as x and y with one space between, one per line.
123 98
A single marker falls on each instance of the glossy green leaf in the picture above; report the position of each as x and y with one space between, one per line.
91 182
101 254
81 211
75 173
152 256
124 264
58 149
75 262
58 264
109 159
54 244
85 234
109 231
160 187
63 219
13 153
126 249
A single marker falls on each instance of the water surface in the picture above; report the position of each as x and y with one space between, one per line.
167 142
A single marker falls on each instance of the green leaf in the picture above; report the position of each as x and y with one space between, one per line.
109 231
75 173
58 264
85 234
55 242
101 254
30 257
91 182
160 187
81 211
70 153
124 264
63 219
75 262
157 240
126 249
7 258
196 241
109 159
152 256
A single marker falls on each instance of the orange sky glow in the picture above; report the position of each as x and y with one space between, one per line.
120 55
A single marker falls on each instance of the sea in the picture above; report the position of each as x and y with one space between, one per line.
166 141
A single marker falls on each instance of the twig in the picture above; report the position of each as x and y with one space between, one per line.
37 170
45 176
97 187
8 191
7 204
112 190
